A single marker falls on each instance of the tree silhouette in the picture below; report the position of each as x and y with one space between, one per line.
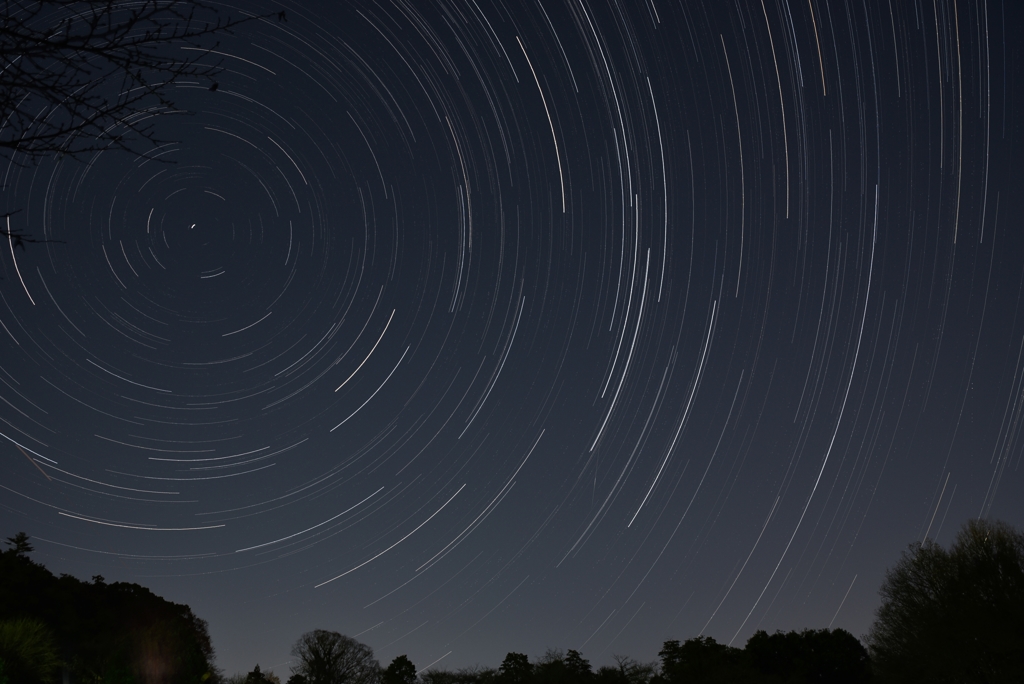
331 658
104 632
515 669
19 544
556 667
468 675
702 660
400 671
833 656
80 76
258 677
634 672
957 615
578 667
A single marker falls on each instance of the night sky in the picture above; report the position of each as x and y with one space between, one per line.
472 327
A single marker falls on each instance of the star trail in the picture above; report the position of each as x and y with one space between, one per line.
467 327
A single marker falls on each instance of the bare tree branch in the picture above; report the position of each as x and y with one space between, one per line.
80 76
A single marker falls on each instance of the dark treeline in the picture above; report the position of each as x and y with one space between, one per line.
953 616
833 656
117 633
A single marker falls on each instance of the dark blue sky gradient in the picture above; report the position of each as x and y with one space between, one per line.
467 327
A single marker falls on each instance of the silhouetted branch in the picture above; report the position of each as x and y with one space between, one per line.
80 76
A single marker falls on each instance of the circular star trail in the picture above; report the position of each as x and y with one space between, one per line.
468 327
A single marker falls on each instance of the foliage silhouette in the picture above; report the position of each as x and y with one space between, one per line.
20 545
469 675
27 651
957 615
703 660
832 656
556 667
515 669
324 657
400 671
105 632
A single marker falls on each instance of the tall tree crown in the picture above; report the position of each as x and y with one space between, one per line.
955 615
